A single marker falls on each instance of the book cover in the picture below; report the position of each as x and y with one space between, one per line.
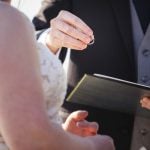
109 93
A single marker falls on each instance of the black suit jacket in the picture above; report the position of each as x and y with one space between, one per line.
112 54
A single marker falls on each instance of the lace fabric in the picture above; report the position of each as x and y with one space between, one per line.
54 85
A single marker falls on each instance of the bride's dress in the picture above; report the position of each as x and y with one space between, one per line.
53 82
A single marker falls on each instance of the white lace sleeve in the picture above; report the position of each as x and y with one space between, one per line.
53 80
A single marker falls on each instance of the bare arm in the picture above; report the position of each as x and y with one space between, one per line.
7 1
24 123
20 90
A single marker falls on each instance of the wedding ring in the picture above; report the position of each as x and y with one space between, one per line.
92 41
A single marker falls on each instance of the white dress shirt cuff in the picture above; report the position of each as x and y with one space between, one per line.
42 39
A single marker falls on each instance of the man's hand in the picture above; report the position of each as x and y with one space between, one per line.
145 102
77 124
67 30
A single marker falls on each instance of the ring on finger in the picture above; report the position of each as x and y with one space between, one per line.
92 40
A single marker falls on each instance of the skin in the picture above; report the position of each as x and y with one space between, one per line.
77 124
68 30
145 102
81 127
7 1
24 123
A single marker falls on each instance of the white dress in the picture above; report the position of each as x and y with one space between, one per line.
54 85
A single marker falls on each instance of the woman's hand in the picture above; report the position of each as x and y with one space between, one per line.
77 124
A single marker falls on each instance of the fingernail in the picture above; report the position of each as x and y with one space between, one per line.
83 110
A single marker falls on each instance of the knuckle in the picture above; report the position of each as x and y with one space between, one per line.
62 13
68 30
53 21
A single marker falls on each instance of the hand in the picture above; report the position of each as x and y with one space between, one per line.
145 102
102 142
77 124
67 30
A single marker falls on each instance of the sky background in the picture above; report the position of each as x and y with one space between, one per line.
29 7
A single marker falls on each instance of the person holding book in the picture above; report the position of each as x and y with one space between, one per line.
121 47
145 102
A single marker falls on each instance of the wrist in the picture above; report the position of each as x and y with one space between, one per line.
51 46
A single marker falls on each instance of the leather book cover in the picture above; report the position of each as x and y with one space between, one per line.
110 93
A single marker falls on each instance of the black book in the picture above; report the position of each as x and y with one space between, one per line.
110 93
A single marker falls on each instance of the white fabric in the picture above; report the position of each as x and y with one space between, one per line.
42 39
54 81
54 85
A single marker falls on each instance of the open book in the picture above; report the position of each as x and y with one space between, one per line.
109 93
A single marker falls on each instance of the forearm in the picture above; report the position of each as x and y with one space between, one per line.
20 86
7 1
24 122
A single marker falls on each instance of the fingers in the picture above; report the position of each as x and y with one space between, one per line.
77 124
78 115
91 128
75 22
67 30
86 124
64 40
145 102
70 30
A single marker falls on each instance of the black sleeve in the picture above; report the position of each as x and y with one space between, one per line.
49 10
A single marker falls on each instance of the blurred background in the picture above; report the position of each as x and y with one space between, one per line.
29 7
